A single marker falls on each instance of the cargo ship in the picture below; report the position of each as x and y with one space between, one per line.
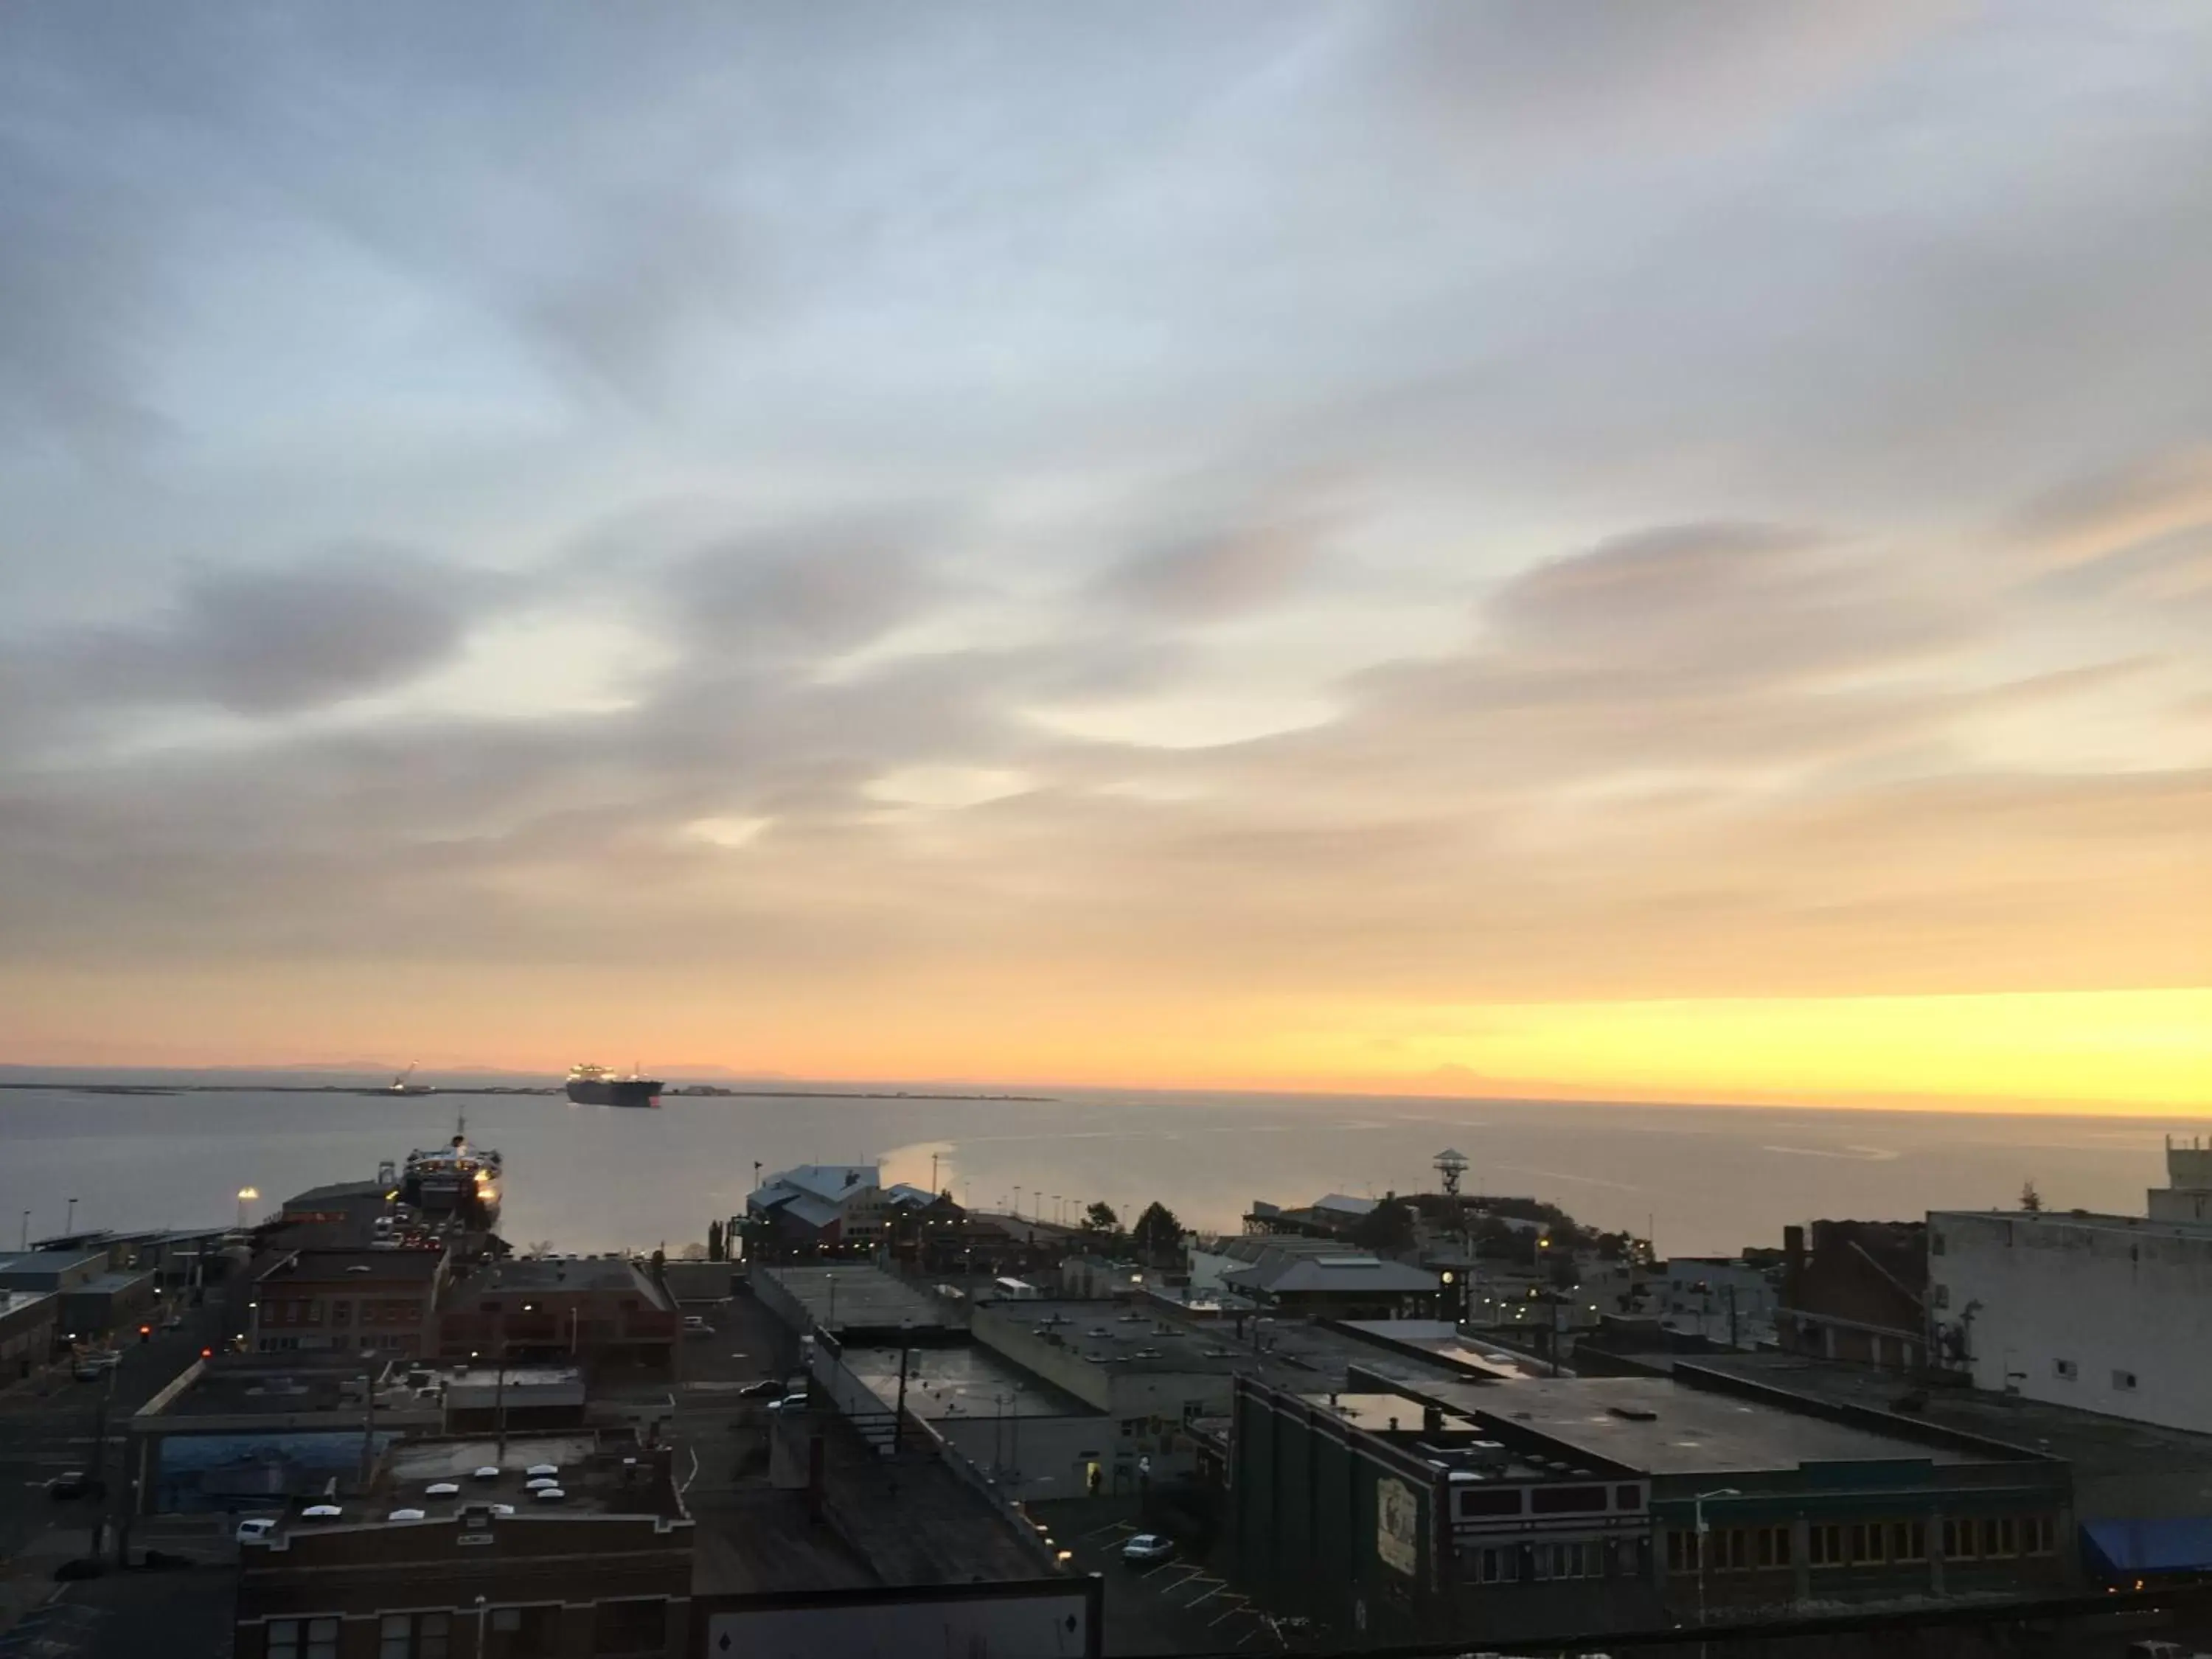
595 1086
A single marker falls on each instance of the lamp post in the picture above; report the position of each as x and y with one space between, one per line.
68 1222
26 1230
1697 1509
832 1317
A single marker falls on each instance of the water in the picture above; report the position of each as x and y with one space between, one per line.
1708 1179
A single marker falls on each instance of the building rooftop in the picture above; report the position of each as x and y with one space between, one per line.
833 1182
865 1298
960 1382
2121 1469
343 1266
620 1477
1439 1339
1667 1428
2194 1232
1353 1272
47 1263
563 1273
337 1192
14 1302
291 1386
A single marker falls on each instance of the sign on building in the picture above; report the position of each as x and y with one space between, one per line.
1397 1527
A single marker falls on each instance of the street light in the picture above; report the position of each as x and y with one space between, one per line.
1698 1509
246 1195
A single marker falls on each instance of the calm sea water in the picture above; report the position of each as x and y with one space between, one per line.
1708 1179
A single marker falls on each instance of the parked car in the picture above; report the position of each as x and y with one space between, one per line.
790 1402
254 1529
1147 1547
766 1388
696 1326
75 1484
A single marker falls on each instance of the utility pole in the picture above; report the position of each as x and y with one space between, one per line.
369 1427
898 1417
499 1393
99 1463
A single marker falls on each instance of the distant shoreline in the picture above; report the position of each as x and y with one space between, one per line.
709 1092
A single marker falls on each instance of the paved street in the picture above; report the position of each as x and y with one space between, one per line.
49 1426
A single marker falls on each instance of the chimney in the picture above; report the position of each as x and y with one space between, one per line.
1432 1419
1793 1263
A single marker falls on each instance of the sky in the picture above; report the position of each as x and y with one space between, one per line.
1464 548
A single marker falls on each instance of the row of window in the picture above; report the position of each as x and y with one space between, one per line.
1860 1543
618 1627
305 1312
1517 1564
1472 1501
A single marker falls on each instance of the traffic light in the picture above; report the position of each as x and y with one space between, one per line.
145 1333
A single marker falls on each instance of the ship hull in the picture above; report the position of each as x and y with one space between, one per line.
614 1091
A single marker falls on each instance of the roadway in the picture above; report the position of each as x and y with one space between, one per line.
51 1425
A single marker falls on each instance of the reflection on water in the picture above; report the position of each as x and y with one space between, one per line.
595 1178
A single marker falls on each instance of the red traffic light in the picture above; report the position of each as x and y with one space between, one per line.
207 1353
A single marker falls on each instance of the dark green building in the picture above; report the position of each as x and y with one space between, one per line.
1565 1505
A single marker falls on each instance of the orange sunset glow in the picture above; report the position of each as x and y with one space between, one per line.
1326 554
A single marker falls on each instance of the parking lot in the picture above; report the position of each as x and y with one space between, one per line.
1176 1606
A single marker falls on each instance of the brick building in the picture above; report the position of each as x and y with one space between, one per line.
445 1561
374 1302
1859 1293
602 1313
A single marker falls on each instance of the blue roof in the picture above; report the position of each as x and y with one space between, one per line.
2180 1544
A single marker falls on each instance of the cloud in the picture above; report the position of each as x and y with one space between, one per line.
343 625
2116 510
1215 575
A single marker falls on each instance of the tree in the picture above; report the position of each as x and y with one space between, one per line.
1158 1235
1100 1218
715 1240
2029 1200
1386 1228
691 1251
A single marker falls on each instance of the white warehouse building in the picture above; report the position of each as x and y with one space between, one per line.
2108 1313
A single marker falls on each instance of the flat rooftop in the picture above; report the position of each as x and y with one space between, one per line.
617 1479
1667 1428
2194 1232
2121 1469
303 1386
345 1267
563 1273
1440 1340
1289 1352
960 1382
864 1297
12 1301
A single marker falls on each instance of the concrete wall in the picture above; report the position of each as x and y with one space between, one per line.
2033 1295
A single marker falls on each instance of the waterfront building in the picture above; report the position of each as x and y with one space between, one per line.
379 1302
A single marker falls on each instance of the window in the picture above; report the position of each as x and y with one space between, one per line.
2037 1534
303 1639
414 1636
2124 1381
1507 1502
1908 1540
1627 1497
1580 1560
1959 1540
1824 1546
1774 1547
1498 1566
631 1627
1868 1544
1566 1500
1997 1537
2065 1370
1680 1558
